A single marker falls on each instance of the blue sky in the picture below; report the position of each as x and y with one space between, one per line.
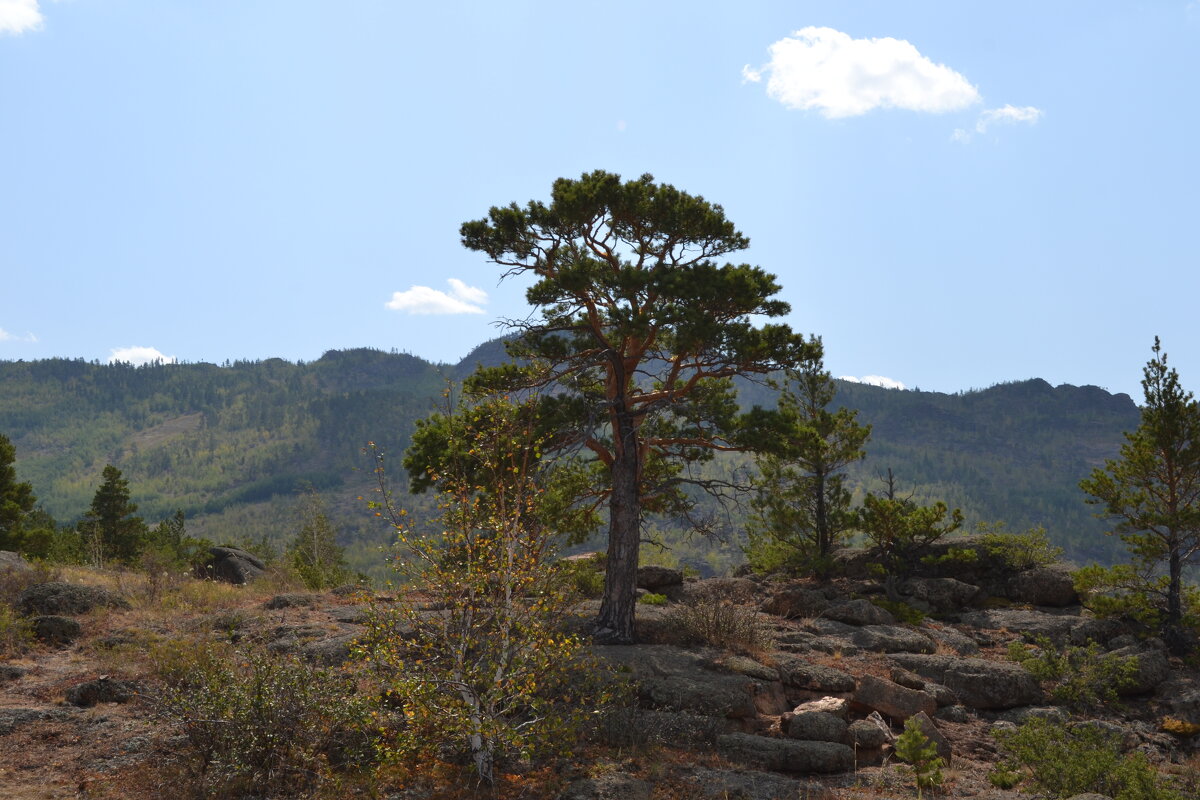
952 194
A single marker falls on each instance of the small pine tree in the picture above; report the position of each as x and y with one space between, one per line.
314 553
915 748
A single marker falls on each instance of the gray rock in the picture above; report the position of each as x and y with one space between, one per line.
859 612
837 706
291 600
942 594
677 680
818 726
957 714
330 652
101 690
13 718
638 727
57 597
1031 624
653 578
799 674
892 699
724 784
866 735
942 695
976 682
959 642
1100 631
349 615
1019 716
611 786
786 755
749 667
1152 669
13 562
9 672
231 565
736 590
796 602
1043 586
892 639
56 630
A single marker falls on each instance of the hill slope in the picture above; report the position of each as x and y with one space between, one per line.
232 445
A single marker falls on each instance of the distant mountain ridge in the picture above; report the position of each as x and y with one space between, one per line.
232 445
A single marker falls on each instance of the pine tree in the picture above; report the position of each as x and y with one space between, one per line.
16 499
314 552
110 529
801 510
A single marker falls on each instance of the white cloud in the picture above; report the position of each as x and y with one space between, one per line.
874 380
826 70
19 16
5 336
1006 115
138 355
462 299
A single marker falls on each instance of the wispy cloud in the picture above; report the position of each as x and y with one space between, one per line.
1006 115
19 16
826 70
874 380
138 355
461 299
5 336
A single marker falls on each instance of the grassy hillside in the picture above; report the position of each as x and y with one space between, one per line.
232 445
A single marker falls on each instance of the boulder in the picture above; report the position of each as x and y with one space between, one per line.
837 706
942 594
330 652
799 674
786 755
976 682
796 602
1152 669
652 578
10 672
57 597
892 699
13 562
1043 586
867 735
101 690
1100 631
817 726
859 612
231 565
957 641
55 630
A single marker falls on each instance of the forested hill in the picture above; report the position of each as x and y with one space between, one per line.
231 445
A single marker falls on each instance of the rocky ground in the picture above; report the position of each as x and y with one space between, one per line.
808 707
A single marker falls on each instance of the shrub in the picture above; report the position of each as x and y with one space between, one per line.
652 599
915 748
16 633
722 623
900 610
1082 677
1065 761
259 724
1018 551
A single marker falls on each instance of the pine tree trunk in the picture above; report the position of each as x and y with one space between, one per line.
1173 634
615 623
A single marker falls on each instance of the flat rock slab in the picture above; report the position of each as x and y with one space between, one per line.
859 612
892 639
1030 624
976 683
724 784
786 755
678 680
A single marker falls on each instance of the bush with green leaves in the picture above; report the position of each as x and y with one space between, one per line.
915 748
1017 551
259 724
1062 761
1081 677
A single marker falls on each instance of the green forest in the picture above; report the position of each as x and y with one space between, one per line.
234 447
